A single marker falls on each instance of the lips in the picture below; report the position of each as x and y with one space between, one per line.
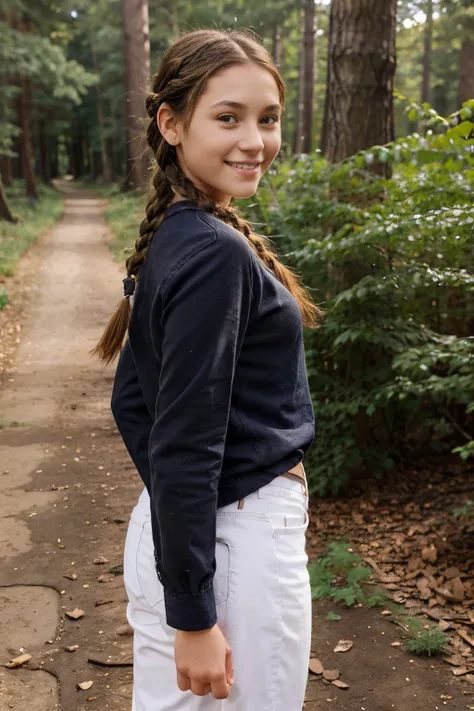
243 166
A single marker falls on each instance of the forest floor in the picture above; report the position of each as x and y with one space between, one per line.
67 489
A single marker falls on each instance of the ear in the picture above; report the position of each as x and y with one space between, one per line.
168 124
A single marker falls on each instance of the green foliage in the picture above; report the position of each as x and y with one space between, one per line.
338 575
124 213
391 261
333 617
427 639
466 511
36 217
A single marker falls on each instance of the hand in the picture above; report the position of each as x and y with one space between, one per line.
204 662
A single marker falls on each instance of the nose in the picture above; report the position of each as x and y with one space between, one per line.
251 139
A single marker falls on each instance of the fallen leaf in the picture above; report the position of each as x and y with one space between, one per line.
331 674
75 614
456 660
85 685
387 613
126 661
430 554
460 671
124 630
344 645
18 661
315 666
340 684
106 578
72 648
100 560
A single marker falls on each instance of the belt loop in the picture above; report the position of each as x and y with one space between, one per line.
241 504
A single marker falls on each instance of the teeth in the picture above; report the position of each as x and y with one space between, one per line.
245 166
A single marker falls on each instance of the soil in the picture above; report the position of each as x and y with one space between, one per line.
68 487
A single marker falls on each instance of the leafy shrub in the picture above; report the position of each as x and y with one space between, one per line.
338 575
391 261
427 639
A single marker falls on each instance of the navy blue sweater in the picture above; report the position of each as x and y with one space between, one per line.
210 395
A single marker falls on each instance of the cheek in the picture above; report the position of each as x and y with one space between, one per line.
272 146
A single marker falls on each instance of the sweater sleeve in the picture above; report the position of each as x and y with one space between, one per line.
204 314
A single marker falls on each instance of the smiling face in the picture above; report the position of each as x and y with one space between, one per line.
234 133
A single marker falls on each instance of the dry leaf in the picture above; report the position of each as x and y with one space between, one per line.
387 613
340 684
100 560
18 661
456 660
460 671
85 685
344 645
430 554
75 614
331 674
124 630
125 661
396 644
106 578
315 666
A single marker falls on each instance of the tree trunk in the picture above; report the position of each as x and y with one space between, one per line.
5 213
6 170
43 151
427 53
276 42
136 48
24 109
308 74
106 165
361 67
298 136
466 71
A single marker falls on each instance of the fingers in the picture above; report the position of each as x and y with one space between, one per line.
199 688
229 667
184 682
220 689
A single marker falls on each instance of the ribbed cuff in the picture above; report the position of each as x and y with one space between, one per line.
191 613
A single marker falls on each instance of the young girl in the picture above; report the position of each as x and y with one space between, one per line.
212 401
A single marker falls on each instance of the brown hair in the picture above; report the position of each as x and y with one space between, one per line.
185 69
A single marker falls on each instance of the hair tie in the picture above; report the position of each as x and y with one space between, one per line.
129 286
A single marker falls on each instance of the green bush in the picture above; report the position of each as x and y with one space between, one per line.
391 262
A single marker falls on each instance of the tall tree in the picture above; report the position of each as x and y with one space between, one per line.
305 109
466 60
427 52
361 68
136 47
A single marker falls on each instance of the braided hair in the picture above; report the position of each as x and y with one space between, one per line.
185 69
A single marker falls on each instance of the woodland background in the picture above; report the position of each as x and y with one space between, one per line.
371 200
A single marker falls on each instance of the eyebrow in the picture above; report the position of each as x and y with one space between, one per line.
237 105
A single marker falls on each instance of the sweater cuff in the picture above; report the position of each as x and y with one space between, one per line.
191 613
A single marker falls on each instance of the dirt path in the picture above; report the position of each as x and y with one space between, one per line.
67 488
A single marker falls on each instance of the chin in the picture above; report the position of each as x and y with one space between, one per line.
245 192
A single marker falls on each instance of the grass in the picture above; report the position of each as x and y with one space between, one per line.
340 574
426 638
33 219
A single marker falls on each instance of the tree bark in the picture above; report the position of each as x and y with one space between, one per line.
5 213
298 136
308 74
136 48
6 170
427 53
276 42
361 68
27 155
106 165
466 70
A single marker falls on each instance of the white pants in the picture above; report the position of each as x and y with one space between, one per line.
263 603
